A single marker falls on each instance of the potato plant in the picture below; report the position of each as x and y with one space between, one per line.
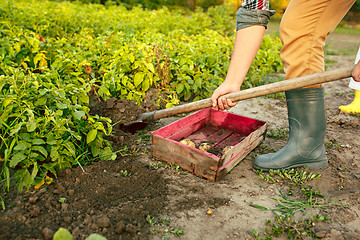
54 54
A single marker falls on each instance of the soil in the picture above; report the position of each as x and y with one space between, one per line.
114 198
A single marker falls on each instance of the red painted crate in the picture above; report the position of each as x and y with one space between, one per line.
219 128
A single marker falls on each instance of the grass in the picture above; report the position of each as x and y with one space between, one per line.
295 197
343 28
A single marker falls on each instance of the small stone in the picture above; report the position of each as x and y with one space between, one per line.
47 233
35 212
33 200
76 232
64 207
94 227
48 205
120 227
321 234
87 220
71 192
67 220
130 229
103 222
77 181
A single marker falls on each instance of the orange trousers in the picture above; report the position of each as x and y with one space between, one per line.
303 30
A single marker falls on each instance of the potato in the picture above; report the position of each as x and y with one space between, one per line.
188 142
204 146
226 149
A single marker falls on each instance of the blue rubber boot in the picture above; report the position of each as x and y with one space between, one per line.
307 127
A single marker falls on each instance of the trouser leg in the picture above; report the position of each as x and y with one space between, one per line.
303 30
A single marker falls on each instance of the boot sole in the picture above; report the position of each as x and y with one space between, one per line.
310 165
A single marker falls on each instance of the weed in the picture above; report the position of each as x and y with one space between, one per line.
296 176
172 166
281 133
294 229
162 226
305 197
263 148
124 173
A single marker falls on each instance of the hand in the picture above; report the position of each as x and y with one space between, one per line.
220 102
356 72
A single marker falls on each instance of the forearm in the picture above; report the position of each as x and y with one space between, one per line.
247 43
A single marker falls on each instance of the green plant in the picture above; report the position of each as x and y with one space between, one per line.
295 176
293 228
162 226
124 173
281 133
172 166
298 198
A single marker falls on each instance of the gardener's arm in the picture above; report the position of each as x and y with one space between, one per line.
247 43
356 72
251 25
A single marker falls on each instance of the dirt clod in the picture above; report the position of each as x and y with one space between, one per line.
103 222
47 233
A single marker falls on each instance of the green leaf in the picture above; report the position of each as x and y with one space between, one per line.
22 145
145 85
51 140
83 97
70 146
95 150
41 101
95 236
106 154
54 154
179 88
131 57
79 114
38 141
7 102
257 206
18 157
16 128
139 77
62 234
31 126
150 66
91 136
40 149
61 106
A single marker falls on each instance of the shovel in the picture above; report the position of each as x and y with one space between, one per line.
286 85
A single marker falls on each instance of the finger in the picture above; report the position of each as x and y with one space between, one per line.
221 104
226 103
214 101
231 103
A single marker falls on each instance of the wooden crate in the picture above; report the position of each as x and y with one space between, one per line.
220 129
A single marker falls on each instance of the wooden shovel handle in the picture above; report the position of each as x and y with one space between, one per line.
286 85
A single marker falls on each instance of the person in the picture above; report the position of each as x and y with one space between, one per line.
303 30
354 106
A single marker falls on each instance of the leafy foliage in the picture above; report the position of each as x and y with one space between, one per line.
53 54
